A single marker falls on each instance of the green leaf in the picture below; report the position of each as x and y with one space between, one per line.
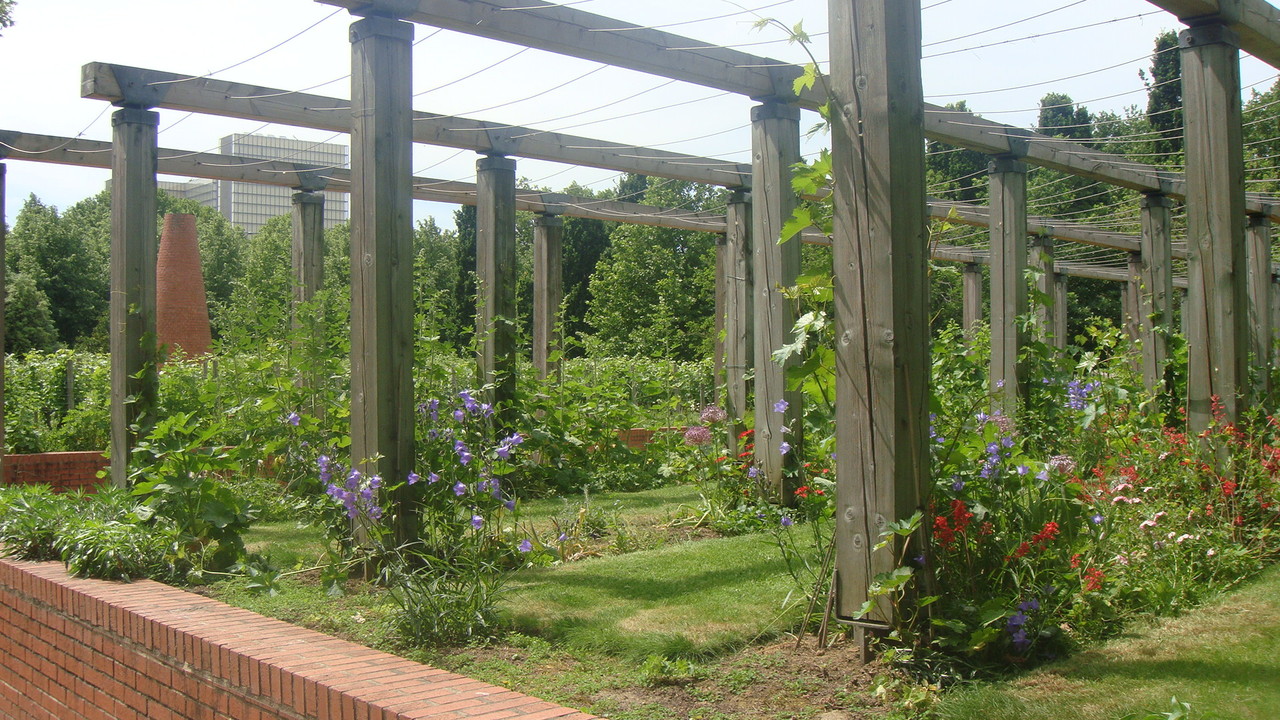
801 218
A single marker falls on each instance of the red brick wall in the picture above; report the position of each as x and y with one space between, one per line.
97 650
60 470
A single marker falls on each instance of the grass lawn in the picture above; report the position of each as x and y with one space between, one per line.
1223 659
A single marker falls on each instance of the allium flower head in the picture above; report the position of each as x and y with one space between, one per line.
713 414
697 435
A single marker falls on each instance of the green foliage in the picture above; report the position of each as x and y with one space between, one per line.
654 290
28 317
177 474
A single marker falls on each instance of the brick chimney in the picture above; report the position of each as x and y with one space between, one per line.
182 312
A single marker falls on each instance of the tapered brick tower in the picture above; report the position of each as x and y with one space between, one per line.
182 312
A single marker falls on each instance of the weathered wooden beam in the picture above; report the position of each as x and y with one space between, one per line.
307 246
1040 257
104 81
1258 261
775 147
971 296
382 407
1256 22
94 153
1218 334
738 313
548 293
1155 311
576 33
1060 302
496 277
881 250
134 383
1008 179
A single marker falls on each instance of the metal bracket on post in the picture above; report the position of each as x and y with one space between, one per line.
1208 31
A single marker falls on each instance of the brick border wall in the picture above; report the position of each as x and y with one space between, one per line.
75 649
62 471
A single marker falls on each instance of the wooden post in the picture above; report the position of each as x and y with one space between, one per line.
971 297
1258 258
1040 257
1155 305
737 307
1274 357
548 292
1060 317
496 276
134 245
1131 304
382 409
775 147
1008 178
721 288
1217 332
880 246
308 247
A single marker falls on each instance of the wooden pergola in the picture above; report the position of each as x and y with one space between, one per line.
880 239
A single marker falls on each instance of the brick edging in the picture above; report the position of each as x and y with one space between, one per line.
77 648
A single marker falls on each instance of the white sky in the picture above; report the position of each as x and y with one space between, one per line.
42 54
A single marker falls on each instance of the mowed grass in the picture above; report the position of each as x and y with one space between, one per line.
688 599
1223 659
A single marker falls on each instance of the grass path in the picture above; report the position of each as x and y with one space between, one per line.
1223 659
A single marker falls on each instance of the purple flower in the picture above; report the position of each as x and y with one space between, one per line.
919 559
784 448
293 419
477 522
562 538
697 435
459 415
503 452
1023 469
713 414
433 478
460 489
958 485
375 512
375 482
1029 605
525 546
781 406
1020 640
510 505
1017 620
786 521
464 457
413 478
514 439
1096 519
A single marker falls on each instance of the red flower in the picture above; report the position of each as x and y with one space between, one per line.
1049 532
960 515
1075 560
1093 578
802 491
1228 487
942 533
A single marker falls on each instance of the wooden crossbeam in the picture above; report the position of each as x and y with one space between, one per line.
215 166
81 152
116 83
573 32
1257 22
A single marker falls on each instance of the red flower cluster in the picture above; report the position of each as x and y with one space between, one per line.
944 531
805 491
1038 541
1093 578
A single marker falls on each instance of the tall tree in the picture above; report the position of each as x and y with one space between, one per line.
1164 95
653 292
63 267
464 287
1060 117
27 317
6 13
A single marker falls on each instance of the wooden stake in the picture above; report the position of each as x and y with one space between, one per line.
1008 179
308 247
382 408
1040 257
1060 317
548 292
881 288
971 290
775 147
134 245
1218 334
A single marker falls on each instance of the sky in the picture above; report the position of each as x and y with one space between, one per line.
1000 56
